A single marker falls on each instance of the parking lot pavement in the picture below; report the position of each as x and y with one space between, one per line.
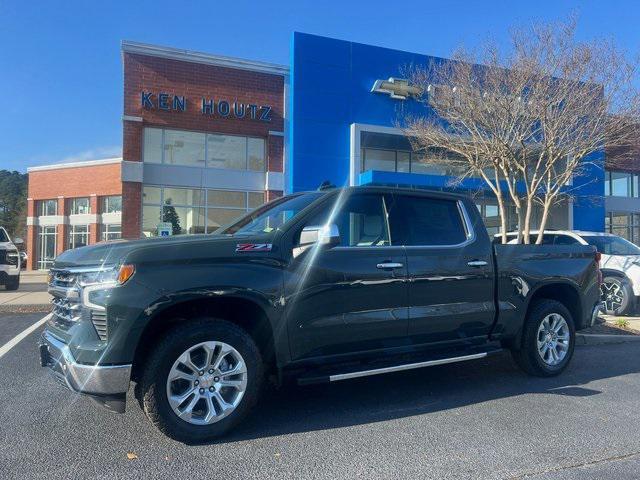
482 419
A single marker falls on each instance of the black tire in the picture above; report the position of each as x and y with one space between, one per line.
153 383
13 283
611 290
527 356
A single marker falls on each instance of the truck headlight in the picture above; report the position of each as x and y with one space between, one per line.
108 277
96 285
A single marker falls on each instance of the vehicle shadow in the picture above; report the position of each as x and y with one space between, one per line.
294 409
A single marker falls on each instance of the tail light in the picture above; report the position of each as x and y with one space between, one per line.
598 257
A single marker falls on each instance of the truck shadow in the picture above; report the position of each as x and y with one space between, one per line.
295 409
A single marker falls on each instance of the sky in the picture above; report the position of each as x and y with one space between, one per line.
61 69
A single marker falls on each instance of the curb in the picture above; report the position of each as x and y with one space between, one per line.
593 339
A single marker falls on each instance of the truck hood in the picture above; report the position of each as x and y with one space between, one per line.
183 247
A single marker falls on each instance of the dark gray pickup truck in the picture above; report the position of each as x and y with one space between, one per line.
313 287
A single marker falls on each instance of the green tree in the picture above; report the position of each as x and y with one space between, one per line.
170 215
13 202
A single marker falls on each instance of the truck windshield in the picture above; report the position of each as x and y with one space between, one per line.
272 216
612 245
3 235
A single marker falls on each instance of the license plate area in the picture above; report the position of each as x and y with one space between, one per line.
45 357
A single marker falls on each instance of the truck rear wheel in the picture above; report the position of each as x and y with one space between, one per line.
548 339
202 379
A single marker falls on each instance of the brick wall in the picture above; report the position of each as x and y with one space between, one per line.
75 182
64 184
131 214
194 81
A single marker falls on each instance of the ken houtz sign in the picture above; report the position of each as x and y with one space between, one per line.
208 106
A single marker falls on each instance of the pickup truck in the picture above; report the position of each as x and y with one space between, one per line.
321 286
10 261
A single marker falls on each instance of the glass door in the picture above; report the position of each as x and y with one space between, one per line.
47 247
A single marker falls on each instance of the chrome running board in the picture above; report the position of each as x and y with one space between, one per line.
408 366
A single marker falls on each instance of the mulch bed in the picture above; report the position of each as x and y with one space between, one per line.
25 308
604 328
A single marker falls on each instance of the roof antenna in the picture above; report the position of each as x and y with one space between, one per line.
326 185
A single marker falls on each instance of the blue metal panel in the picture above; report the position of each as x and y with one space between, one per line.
331 84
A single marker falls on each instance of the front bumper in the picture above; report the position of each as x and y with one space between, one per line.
103 382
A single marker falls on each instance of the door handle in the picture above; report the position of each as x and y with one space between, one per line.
389 265
477 263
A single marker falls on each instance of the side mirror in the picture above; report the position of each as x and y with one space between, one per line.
326 235
18 241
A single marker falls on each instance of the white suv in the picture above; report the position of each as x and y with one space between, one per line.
620 265
9 261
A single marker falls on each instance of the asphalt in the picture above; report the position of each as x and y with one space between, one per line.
482 419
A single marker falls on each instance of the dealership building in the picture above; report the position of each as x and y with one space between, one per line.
207 138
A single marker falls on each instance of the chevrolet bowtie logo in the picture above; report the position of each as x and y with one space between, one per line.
397 88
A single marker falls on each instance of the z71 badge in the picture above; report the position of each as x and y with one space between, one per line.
253 247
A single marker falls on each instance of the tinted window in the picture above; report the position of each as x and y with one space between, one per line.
274 215
565 240
425 221
612 245
361 220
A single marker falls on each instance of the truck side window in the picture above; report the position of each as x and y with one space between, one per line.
361 220
425 221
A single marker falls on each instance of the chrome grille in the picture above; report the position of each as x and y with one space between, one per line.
68 308
99 320
65 311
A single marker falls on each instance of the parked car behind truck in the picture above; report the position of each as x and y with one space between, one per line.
316 287
620 265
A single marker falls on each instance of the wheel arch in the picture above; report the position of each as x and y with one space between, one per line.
563 292
244 312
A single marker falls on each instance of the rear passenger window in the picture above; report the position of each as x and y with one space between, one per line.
425 221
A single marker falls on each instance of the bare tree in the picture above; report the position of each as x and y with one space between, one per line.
528 120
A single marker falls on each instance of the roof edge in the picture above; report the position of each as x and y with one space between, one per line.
139 48
85 163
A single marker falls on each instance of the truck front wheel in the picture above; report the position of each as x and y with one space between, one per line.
548 339
201 380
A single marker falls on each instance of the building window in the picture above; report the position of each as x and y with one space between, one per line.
178 147
111 232
47 243
621 184
78 236
47 207
184 148
112 204
625 225
80 206
404 161
194 210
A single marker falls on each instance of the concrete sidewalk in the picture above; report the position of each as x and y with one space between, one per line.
32 292
34 276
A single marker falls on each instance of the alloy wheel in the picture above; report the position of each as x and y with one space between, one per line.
206 383
553 338
612 294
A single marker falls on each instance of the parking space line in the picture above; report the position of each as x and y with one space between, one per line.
21 336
